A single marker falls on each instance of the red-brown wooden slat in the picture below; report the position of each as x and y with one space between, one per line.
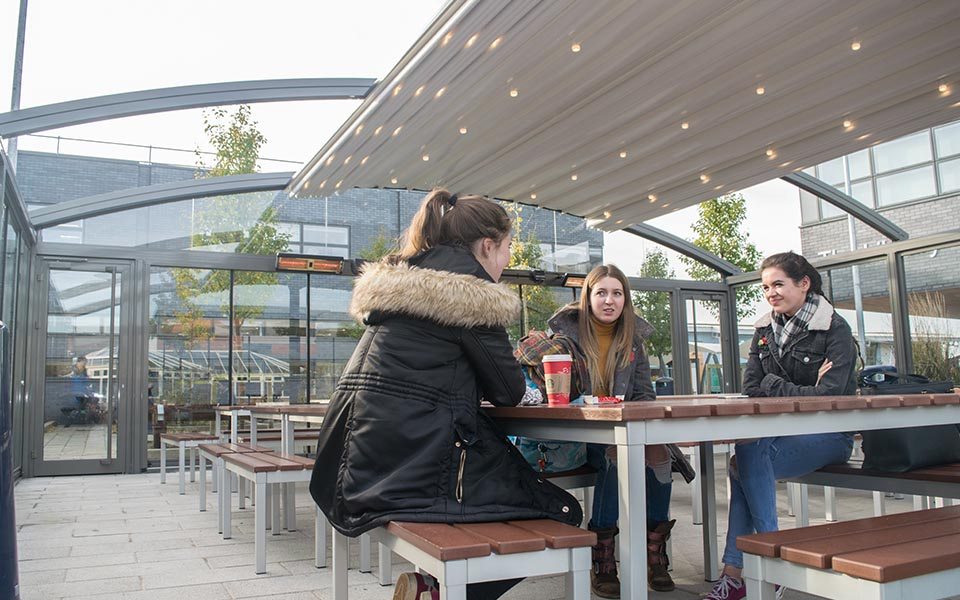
215 449
247 448
768 544
735 407
945 399
819 553
505 538
302 460
557 534
814 403
688 410
440 540
917 400
767 406
883 401
282 463
252 462
900 561
849 403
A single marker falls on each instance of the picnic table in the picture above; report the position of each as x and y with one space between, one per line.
631 426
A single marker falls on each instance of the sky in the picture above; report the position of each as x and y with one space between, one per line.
82 49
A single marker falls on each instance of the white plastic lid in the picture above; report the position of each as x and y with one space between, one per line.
557 358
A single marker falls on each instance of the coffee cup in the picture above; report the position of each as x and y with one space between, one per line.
556 374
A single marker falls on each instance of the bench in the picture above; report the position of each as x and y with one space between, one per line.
457 555
214 454
909 555
266 470
183 441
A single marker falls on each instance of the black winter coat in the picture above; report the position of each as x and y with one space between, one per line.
404 437
794 373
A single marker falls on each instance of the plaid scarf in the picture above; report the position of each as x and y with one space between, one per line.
532 348
785 328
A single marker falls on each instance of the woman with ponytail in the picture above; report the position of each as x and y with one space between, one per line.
802 347
404 438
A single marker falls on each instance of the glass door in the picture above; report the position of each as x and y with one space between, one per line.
709 368
84 367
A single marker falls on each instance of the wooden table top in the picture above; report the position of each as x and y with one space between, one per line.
668 407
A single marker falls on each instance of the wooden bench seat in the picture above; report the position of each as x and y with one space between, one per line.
183 442
908 555
214 454
474 552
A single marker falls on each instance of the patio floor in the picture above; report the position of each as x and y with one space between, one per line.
128 537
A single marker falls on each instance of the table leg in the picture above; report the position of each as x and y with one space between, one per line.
253 429
163 461
341 558
233 427
183 458
708 499
632 483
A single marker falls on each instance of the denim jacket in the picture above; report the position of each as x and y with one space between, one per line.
794 372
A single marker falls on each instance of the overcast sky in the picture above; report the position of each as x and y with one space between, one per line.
78 49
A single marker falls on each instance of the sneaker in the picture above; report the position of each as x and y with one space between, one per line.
414 586
727 588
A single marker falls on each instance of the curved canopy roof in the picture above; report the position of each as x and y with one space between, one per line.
621 111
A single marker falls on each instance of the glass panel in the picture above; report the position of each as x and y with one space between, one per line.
905 186
809 207
270 337
10 275
188 354
949 176
829 210
862 192
933 306
860 164
333 332
655 308
903 152
831 171
869 281
948 139
538 305
82 365
319 234
704 348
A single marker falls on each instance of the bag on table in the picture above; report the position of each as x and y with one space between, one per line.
908 448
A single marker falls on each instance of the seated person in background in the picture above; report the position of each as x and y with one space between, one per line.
801 348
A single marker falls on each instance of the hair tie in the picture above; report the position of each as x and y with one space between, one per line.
453 200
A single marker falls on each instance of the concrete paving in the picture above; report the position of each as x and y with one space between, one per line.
126 537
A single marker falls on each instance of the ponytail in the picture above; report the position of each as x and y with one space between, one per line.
445 218
796 268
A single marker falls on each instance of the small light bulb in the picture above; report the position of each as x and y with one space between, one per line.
397 89
514 93
533 196
338 184
573 177
306 184
943 88
346 161
760 91
463 131
396 131
378 130
652 198
446 38
472 40
359 129
440 92
684 125
664 205
704 178
425 157
575 48
330 160
393 180
365 159
419 91
623 154
607 214
855 46
771 153
495 43
847 124
322 183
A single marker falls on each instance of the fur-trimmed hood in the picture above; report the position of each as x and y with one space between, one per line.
819 322
443 297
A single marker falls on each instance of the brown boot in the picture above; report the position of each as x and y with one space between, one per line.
603 577
657 576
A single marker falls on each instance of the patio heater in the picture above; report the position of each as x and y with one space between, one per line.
9 577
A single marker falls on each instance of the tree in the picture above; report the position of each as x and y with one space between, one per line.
655 307
236 140
380 246
718 230
538 302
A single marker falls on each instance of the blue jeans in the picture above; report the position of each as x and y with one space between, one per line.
606 501
759 464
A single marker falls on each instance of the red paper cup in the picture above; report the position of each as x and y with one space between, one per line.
556 373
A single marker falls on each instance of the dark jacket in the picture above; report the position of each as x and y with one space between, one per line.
404 437
633 381
794 373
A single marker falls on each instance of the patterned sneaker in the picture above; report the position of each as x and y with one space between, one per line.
727 588
414 586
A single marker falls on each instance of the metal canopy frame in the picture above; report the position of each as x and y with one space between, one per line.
654 234
847 204
113 106
151 195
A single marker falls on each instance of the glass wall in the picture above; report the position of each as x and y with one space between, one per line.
933 307
861 295
333 332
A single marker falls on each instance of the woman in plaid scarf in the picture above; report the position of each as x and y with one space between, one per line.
802 347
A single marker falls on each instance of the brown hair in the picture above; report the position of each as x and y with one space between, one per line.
622 333
796 268
466 220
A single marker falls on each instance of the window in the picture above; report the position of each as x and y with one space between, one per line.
862 192
809 208
859 164
948 139
831 171
323 239
903 152
949 176
905 186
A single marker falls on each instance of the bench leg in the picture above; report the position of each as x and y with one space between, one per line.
227 506
830 502
214 484
275 513
578 575
753 577
365 553
879 504
802 497
203 484
260 520
182 461
708 501
453 581
695 489
241 492
386 564
320 539
221 495
791 499
290 506
163 462
341 559
193 460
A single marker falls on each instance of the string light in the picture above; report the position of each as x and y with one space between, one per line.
704 178
855 46
514 93
623 154
575 48
573 177
495 43
533 196
425 157
760 90
463 131
652 198
684 125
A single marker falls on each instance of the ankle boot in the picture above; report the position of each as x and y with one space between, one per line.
657 562
603 577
